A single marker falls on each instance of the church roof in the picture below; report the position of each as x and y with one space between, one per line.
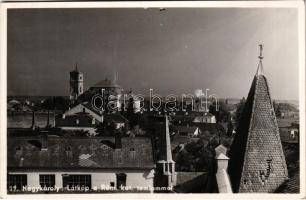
79 153
257 161
107 83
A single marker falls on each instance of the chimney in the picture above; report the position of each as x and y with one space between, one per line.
64 116
118 143
93 121
21 162
223 181
33 120
44 141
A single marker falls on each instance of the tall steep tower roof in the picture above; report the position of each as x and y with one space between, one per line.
257 161
166 154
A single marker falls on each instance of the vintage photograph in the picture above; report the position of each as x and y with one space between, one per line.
153 100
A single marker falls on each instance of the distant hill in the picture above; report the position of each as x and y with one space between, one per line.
289 103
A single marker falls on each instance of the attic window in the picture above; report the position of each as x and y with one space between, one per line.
68 148
132 149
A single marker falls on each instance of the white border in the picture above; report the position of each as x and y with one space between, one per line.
216 4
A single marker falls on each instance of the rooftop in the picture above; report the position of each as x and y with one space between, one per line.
106 83
79 153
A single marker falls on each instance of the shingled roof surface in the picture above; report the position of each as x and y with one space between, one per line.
196 182
78 153
84 120
257 162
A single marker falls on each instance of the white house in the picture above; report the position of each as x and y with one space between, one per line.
100 163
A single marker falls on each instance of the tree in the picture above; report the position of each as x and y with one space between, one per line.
230 128
222 114
239 110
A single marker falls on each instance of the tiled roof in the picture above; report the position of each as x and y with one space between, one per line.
106 83
196 182
84 120
257 162
111 117
78 153
292 185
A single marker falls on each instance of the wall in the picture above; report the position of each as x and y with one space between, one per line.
24 120
142 178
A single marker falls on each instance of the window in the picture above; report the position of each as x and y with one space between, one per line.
16 181
121 180
112 184
77 180
46 180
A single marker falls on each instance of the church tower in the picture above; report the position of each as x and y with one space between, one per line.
257 162
76 84
165 165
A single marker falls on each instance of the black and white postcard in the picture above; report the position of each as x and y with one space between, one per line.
153 98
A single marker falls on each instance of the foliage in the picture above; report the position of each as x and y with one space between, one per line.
221 112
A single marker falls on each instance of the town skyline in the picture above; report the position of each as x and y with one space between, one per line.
140 43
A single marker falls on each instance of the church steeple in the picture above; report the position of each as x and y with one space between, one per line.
76 67
257 161
165 165
166 153
76 83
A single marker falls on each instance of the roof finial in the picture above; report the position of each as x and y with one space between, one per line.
260 49
76 66
260 67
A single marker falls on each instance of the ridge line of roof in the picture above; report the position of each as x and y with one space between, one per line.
249 128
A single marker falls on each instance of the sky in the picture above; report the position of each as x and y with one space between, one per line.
172 51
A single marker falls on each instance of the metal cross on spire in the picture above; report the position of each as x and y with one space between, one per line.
260 67
260 49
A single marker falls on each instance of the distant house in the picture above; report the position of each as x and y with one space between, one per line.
290 134
80 162
84 122
205 118
86 108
